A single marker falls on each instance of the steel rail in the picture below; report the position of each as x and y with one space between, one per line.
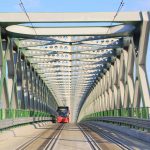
106 136
91 141
28 143
50 145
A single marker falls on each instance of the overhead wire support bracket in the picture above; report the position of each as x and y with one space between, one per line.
117 12
25 11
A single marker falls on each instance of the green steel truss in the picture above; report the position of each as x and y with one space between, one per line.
22 92
95 70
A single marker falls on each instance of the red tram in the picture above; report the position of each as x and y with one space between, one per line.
63 114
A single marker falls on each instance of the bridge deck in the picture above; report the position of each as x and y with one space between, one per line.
48 136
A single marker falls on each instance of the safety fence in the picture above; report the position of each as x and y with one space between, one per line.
134 118
14 117
124 121
19 113
6 123
143 112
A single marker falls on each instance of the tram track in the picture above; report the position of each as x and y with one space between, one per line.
52 141
29 143
93 144
54 138
104 134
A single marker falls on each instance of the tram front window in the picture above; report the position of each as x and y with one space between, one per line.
62 113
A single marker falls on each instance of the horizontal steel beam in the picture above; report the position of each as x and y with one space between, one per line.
17 18
23 31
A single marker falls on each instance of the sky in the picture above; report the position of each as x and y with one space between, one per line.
78 6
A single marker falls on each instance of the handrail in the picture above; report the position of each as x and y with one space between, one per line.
6 123
131 121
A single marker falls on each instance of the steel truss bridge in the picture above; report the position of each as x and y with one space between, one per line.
98 71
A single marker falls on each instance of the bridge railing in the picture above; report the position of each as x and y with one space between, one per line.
134 118
18 113
13 117
126 121
143 112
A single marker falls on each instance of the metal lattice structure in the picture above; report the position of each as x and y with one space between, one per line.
95 70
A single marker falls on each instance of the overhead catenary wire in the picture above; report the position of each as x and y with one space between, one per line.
25 11
117 12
